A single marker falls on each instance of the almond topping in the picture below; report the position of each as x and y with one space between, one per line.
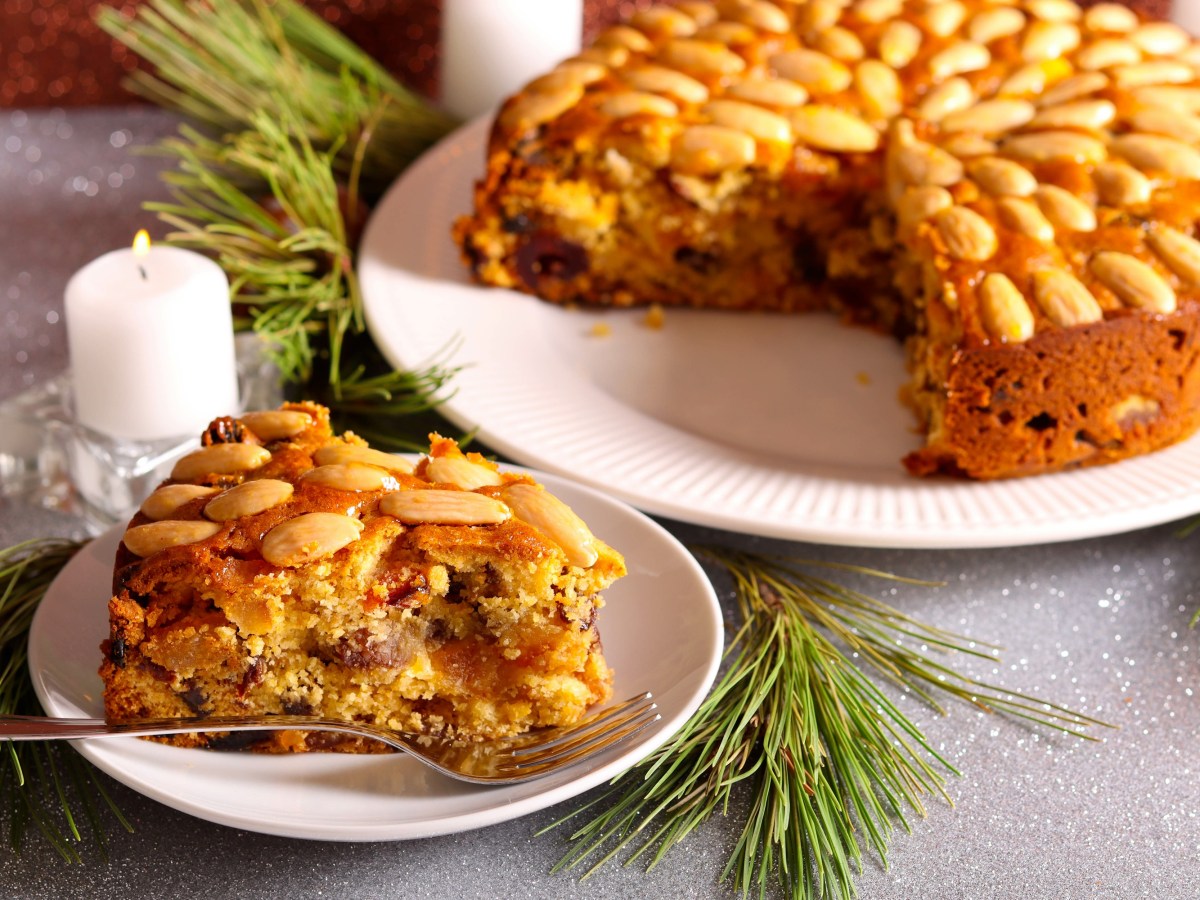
219 459
1119 184
549 515
163 503
991 117
1022 214
1064 299
334 453
777 92
816 71
638 103
964 56
529 110
1064 210
966 234
702 57
351 476
754 120
1002 177
995 23
438 507
1136 283
1090 115
710 149
1006 315
945 99
309 537
146 540
248 499
659 80
461 472
899 43
1155 153
1049 40
274 424
1180 252
1110 17
830 128
1043 146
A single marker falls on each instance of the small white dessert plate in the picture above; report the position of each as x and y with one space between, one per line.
662 632
786 426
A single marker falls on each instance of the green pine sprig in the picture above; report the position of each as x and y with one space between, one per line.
44 786
797 721
226 63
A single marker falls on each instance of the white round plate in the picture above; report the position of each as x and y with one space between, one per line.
662 632
787 426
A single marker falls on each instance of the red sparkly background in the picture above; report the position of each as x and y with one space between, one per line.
51 53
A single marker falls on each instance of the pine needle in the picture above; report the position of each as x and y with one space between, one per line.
44 785
225 63
831 765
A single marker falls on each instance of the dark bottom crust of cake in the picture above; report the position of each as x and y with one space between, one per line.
1069 398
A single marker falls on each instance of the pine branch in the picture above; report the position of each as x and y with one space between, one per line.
830 764
224 63
46 786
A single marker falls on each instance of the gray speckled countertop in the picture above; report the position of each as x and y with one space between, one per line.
1100 625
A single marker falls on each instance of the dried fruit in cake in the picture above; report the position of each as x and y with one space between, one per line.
1010 187
285 570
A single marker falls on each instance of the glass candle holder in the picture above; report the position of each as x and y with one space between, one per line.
51 460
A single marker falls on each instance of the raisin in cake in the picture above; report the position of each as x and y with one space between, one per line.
1010 187
284 570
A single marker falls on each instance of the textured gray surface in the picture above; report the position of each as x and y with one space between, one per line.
1101 625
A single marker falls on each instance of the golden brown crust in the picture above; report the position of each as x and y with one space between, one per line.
325 601
886 159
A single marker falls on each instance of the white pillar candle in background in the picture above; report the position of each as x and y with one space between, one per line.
490 48
150 337
1187 14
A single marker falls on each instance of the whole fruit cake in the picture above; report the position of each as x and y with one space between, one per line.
284 570
1010 187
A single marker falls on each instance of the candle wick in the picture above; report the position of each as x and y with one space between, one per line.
142 269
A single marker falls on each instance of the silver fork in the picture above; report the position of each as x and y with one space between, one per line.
535 754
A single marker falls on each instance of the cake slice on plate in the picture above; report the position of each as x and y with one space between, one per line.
282 569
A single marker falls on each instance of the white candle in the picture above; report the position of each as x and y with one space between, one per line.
150 337
490 48
1186 13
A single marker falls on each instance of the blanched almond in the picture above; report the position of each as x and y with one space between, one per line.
309 537
168 498
1064 299
966 234
1135 282
1179 251
461 472
248 499
1006 315
334 453
219 459
274 424
145 540
444 507
830 128
549 515
351 476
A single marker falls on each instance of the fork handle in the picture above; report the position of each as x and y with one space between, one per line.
43 728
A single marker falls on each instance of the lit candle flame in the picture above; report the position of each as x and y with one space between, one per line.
141 246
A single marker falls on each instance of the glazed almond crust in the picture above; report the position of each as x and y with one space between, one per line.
322 600
1009 187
